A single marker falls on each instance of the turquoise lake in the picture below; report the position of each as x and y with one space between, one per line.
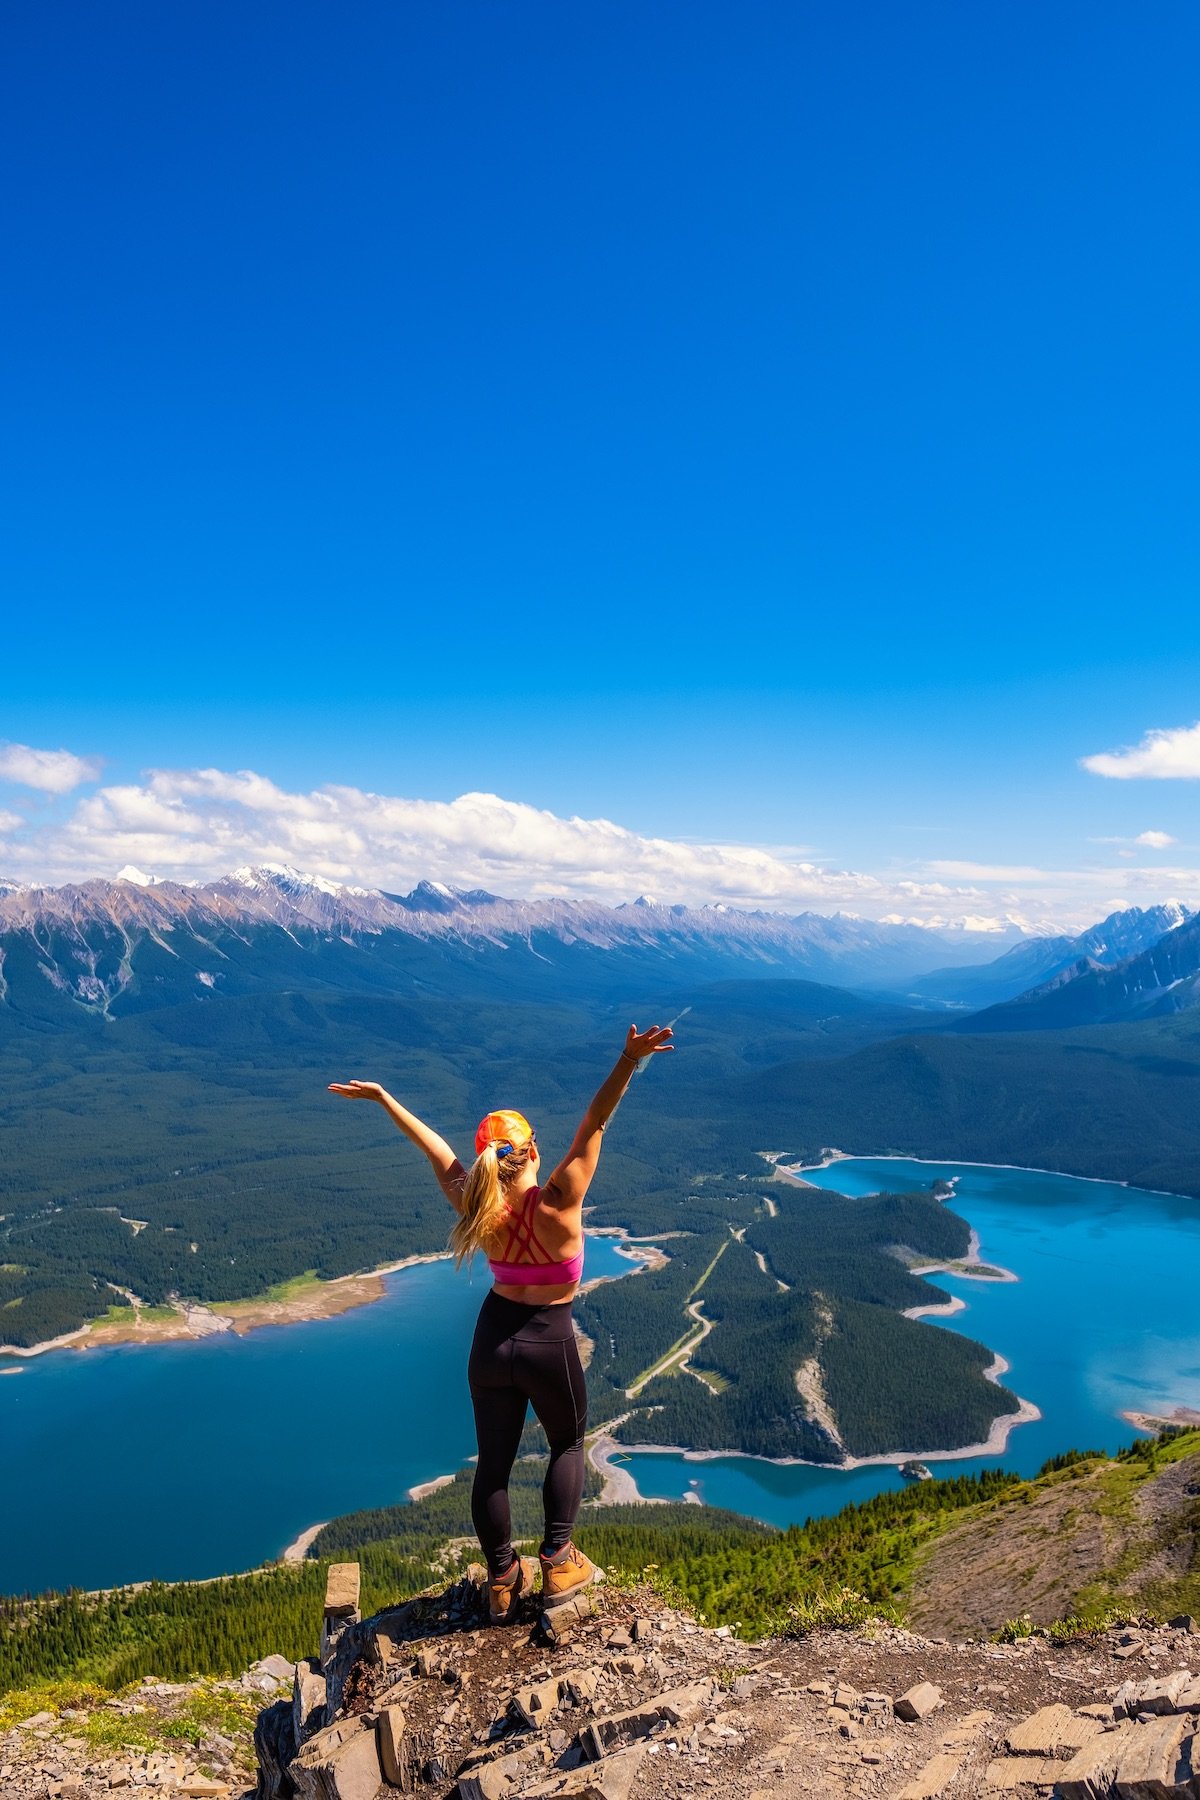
1103 1318
195 1458
210 1455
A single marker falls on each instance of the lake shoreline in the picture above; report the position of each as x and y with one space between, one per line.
620 1485
193 1322
966 1162
994 1444
1175 1418
297 1551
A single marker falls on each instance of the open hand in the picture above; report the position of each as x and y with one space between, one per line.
647 1043
357 1090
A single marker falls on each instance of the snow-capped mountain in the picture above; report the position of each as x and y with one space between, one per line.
1165 978
137 942
1122 935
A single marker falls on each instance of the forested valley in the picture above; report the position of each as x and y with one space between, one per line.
193 1152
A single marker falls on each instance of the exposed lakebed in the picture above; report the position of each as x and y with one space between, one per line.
1103 1318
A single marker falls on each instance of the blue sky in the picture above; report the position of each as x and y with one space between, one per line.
769 425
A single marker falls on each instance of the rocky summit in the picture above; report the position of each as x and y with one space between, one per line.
615 1696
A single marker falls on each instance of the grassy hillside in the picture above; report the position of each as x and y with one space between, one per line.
1090 1537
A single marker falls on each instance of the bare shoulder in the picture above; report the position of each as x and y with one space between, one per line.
556 1196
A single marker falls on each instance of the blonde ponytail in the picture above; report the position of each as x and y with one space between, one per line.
484 1207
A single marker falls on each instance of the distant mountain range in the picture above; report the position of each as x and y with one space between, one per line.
116 947
1035 961
1163 979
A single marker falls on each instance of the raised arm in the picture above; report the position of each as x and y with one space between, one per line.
446 1166
573 1176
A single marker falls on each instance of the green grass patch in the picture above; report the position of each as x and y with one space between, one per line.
280 1290
118 1314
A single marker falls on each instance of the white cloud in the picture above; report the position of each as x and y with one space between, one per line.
1155 840
198 823
1161 756
10 821
194 824
202 822
51 771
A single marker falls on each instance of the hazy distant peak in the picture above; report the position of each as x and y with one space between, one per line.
1041 965
137 877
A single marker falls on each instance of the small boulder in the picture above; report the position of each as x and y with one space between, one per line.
339 1763
918 1702
534 1704
1159 1695
277 1667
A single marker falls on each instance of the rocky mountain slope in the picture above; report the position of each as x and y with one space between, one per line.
1092 1536
427 1693
1114 940
1155 983
629 1696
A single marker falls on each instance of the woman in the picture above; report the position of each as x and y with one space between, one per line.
524 1348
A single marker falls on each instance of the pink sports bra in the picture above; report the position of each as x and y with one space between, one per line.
522 1236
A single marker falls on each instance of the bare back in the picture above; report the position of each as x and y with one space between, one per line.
544 1228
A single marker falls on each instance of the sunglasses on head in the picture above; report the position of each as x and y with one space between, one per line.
504 1148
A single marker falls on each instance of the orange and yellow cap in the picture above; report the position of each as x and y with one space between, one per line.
504 1130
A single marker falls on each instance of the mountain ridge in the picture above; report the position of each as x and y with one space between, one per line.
1160 980
1124 933
110 946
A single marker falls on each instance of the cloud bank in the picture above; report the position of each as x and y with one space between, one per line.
194 824
1161 756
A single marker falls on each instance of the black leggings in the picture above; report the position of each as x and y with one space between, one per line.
522 1354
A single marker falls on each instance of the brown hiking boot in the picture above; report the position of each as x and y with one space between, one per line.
565 1574
505 1595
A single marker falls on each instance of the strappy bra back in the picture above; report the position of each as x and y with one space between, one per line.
523 1240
